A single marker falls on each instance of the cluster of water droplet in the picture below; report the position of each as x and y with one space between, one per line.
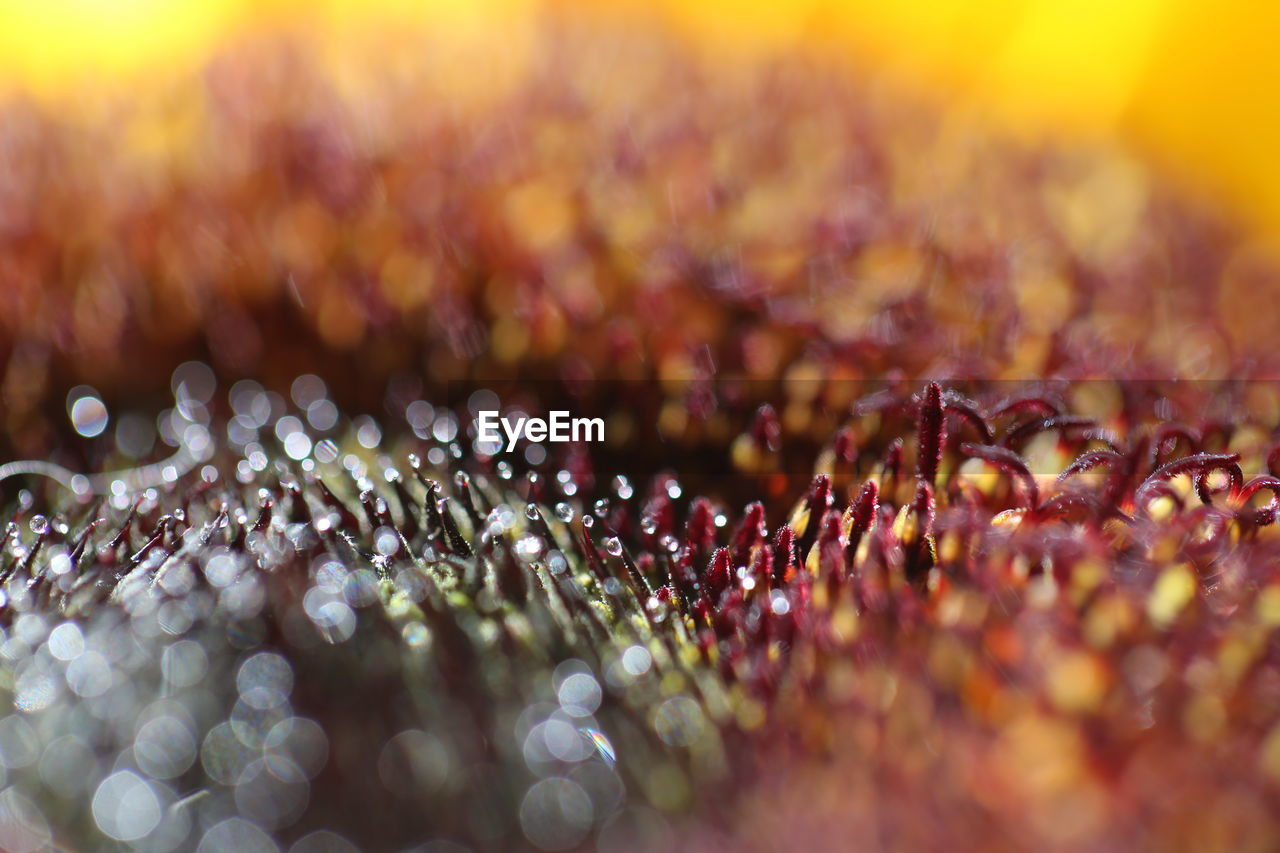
171 725
154 669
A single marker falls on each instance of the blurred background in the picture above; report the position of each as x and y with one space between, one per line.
1189 83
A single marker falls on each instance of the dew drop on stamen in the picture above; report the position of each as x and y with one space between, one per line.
416 634
89 416
297 445
564 512
369 434
623 487
529 547
613 545
386 542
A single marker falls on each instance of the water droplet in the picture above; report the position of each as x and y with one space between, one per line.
529 547
125 807
368 433
602 507
501 517
39 525
636 660
649 525
613 545
564 512
297 445
623 487
531 512
386 542
193 380
416 634
581 693
89 415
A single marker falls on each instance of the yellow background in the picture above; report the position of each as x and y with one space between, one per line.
1190 83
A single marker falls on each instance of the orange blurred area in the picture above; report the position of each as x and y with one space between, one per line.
1188 83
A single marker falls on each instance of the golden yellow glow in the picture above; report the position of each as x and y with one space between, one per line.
1191 82
54 44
